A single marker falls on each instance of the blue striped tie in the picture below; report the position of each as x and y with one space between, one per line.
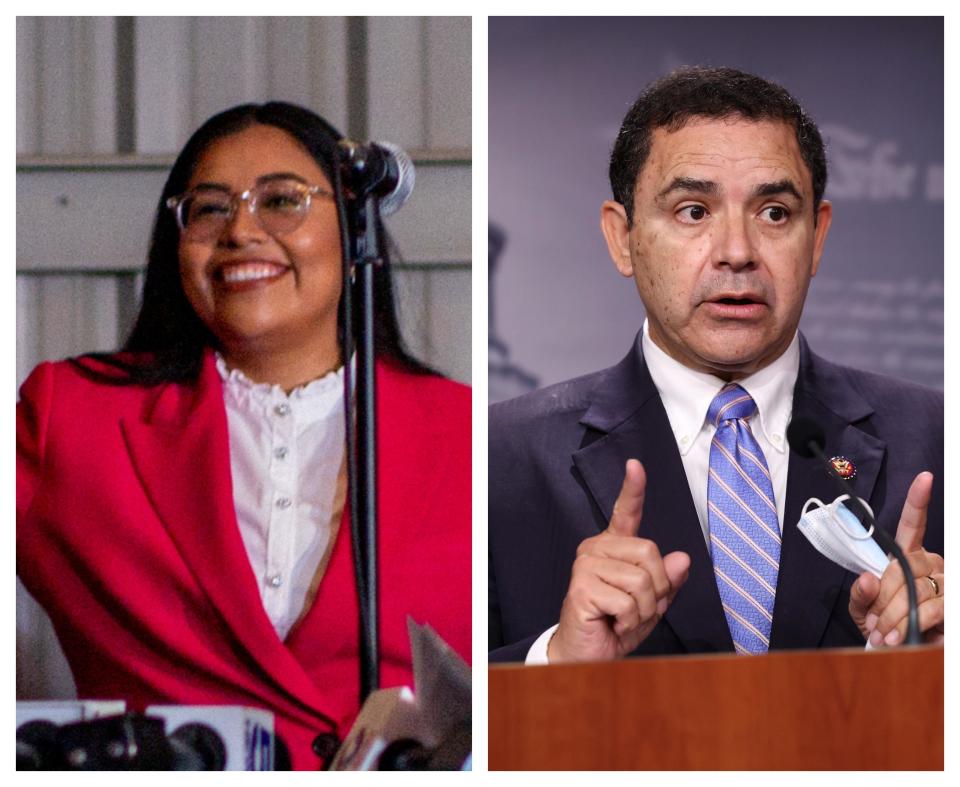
742 516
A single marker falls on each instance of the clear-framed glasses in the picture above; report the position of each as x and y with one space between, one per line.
280 206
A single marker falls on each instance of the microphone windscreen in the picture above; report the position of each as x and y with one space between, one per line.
802 432
406 178
37 746
198 742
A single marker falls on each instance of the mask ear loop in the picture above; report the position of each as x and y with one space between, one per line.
838 521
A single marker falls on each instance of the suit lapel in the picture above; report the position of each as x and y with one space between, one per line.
408 458
628 416
180 452
809 584
627 410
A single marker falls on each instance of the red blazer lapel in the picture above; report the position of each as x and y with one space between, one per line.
423 485
180 450
405 475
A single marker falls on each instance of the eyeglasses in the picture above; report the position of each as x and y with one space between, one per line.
280 206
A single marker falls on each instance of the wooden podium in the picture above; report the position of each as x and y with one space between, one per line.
795 710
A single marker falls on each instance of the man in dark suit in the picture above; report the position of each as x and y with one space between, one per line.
610 530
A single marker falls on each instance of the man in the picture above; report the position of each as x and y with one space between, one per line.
652 508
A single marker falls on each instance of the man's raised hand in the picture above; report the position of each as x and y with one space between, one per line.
620 586
879 606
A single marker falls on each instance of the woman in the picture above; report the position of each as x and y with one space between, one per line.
181 505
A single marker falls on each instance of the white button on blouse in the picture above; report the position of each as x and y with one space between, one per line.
286 460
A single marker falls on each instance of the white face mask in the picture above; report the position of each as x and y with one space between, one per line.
836 533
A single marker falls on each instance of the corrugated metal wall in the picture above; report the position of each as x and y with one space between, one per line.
105 103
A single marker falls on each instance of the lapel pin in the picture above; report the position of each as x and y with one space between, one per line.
844 467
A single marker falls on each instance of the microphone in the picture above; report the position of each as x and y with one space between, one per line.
380 169
37 745
807 438
198 747
130 741
409 754
38 728
224 737
204 738
428 728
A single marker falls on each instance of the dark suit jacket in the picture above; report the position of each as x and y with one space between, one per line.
556 466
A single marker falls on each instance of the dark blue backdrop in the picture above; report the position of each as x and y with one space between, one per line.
558 89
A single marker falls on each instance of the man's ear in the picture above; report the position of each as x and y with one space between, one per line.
824 217
616 231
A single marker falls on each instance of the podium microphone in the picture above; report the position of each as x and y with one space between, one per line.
807 438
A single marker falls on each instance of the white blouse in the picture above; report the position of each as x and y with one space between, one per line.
289 483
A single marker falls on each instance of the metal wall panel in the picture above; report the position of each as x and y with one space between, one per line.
71 217
434 226
72 86
193 68
28 107
306 64
89 88
397 80
163 89
42 669
82 218
59 315
28 325
448 79
90 213
228 64
448 326
434 311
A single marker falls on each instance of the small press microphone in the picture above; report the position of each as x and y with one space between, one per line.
221 737
806 437
378 168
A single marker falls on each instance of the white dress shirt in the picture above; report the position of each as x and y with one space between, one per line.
286 461
686 396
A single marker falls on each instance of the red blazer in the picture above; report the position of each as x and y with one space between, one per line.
127 535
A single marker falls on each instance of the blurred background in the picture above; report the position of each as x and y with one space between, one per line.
105 103
558 91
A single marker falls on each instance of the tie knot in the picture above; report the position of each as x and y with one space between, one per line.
730 404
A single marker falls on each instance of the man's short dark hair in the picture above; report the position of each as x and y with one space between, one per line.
692 92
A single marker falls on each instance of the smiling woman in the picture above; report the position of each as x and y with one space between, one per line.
181 504
266 280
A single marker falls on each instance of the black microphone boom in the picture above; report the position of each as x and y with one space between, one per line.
369 181
807 438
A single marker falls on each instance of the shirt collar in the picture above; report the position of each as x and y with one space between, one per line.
686 394
312 400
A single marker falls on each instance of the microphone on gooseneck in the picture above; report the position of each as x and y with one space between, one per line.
807 438
378 168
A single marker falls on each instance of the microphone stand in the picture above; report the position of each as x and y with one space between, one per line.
361 242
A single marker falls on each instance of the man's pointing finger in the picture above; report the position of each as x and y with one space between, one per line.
628 509
913 520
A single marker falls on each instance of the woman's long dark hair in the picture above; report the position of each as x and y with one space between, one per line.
168 340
